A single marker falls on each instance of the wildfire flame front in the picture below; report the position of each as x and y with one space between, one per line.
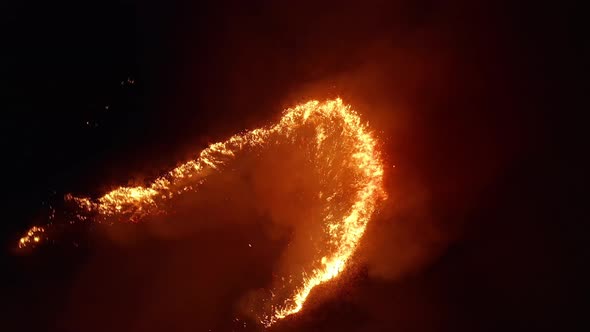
344 227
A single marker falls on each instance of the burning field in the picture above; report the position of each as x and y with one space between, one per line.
339 189
153 184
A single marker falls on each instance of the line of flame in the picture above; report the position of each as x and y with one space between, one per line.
136 202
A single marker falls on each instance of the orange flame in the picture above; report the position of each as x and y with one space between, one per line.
329 118
34 235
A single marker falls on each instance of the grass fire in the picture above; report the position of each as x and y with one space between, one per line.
344 156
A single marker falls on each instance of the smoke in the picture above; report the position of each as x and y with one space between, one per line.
202 260
315 177
214 254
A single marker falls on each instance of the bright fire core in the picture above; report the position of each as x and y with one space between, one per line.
342 145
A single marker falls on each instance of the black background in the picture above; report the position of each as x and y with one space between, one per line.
491 93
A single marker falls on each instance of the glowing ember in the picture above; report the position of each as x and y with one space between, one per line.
33 235
343 145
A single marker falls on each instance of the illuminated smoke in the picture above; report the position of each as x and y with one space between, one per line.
344 154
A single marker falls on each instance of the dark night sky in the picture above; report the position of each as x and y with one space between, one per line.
478 105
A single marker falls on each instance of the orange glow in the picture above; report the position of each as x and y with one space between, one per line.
33 235
341 142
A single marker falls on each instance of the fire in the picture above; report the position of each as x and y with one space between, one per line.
344 225
33 235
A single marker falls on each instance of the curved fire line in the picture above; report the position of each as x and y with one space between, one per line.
329 117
